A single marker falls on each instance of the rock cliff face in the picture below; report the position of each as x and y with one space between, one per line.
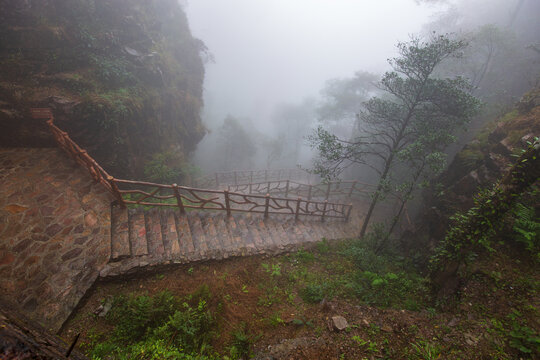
123 77
478 165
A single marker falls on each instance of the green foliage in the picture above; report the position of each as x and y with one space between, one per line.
522 337
314 293
242 343
163 168
134 315
304 256
473 230
112 71
383 279
410 125
527 227
159 327
370 346
273 270
426 351
471 158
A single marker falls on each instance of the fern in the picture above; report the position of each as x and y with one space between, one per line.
527 227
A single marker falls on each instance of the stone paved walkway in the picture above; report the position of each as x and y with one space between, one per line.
54 232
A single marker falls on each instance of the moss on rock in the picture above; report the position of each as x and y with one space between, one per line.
123 77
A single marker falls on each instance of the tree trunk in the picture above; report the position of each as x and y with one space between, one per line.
398 215
376 196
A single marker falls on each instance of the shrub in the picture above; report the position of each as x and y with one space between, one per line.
159 327
313 293
527 228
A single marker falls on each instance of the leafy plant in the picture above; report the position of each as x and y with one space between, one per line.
522 337
314 293
273 270
426 350
242 343
527 227
158 327
162 168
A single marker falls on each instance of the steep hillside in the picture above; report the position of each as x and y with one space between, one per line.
480 164
123 77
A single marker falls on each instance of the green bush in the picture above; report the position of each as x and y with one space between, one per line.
113 72
159 327
383 279
527 227
314 293
163 168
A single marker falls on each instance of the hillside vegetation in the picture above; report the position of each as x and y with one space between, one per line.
124 79
283 307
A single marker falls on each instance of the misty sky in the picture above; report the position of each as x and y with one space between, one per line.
274 51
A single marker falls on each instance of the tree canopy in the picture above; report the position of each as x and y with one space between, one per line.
409 125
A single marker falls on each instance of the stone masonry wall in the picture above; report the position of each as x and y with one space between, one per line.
54 232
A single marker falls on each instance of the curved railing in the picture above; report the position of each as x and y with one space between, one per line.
235 177
185 197
325 190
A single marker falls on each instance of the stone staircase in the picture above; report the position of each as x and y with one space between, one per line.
143 238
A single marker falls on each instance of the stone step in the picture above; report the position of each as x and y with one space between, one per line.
254 231
185 239
235 235
119 233
169 234
137 233
197 234
153 232
165 234
290 237
280 232
248 244
210 233
222 234
268 239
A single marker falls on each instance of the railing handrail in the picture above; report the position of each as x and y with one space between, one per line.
326 190
219 178
268 204
77 153
271 205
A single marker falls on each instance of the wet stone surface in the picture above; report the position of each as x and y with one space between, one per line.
54 232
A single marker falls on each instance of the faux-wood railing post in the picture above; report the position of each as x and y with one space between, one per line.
287 189
266 205
227 204
324 210
352 188
217 181
268 188
309 192
116 191
297 212
178 199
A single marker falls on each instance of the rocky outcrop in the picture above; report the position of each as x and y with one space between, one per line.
478 165
123 77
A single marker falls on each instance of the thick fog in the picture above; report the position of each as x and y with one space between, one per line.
272 60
